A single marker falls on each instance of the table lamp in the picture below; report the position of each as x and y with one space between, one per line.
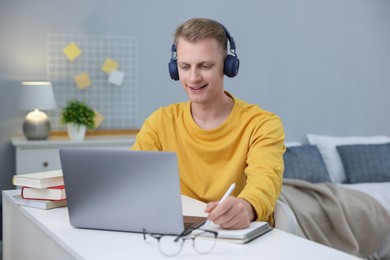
35 96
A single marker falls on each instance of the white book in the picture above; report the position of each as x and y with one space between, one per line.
39 179
42 204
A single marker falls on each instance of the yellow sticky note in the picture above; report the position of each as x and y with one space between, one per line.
109 65
72 51
82 80
99 118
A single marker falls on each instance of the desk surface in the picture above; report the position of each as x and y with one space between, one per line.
95 244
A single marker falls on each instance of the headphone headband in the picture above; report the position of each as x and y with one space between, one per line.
230 39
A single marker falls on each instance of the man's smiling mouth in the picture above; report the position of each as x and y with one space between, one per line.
198 87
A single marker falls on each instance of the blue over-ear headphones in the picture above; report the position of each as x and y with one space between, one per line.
231 64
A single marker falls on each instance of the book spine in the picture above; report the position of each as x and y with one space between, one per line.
22 192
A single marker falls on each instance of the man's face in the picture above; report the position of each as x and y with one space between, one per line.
200 66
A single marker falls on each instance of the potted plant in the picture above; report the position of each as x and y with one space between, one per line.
78 117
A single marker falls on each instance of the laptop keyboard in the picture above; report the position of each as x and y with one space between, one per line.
189 225
191 222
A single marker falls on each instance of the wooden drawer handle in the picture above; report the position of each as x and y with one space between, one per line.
45 164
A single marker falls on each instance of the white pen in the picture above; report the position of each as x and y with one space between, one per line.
227 193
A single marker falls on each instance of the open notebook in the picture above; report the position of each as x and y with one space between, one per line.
239 236
195 207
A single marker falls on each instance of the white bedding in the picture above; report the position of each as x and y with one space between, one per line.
378 190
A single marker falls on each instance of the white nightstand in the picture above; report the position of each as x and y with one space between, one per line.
43 155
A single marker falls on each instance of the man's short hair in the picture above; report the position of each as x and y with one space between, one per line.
197 29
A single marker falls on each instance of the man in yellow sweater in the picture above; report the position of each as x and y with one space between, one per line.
219 139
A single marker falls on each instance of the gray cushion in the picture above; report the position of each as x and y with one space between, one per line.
366 162
305 163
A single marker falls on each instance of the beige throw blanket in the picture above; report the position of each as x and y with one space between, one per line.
338 217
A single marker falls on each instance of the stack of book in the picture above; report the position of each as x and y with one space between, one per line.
43 190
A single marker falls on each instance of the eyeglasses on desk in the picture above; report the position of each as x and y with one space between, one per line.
171 245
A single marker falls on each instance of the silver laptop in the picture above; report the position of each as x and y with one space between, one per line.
123 190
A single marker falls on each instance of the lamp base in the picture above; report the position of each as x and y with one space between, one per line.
36 130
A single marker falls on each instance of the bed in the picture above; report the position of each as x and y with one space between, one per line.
339 190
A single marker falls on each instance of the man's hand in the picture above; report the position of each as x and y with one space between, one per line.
233 213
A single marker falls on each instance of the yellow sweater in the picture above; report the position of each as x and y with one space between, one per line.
246 149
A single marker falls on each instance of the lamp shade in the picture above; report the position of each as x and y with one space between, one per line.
36 95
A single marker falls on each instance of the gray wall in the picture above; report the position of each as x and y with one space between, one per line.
322 65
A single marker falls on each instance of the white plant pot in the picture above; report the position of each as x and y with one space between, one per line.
76 132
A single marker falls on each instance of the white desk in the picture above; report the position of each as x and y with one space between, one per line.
31 233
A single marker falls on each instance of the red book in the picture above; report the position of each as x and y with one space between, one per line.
50 193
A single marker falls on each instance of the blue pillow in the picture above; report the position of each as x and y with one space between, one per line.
366 162
305 163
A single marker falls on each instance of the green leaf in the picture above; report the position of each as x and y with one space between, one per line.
79 113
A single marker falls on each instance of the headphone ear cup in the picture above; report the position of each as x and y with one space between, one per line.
231 66
173 71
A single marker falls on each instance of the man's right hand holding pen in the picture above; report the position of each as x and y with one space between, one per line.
230 212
